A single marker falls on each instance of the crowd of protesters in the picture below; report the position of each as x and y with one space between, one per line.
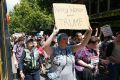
62 57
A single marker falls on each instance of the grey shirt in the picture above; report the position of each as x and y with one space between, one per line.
63 62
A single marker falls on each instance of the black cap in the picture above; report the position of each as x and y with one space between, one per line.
117 33
29 40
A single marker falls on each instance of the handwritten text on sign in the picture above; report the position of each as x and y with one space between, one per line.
106 29
71 16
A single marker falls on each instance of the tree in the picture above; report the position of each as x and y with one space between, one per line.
28 16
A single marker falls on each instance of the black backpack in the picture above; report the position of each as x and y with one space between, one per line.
109 49
106 49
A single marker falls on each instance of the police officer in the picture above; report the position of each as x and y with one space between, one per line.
29 63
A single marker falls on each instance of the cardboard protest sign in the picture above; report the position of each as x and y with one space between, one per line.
71 16
106 30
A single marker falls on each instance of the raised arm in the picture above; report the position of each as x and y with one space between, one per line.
96 33
84 42
46 46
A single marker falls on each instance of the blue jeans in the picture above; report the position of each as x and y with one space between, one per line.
33 76
114 71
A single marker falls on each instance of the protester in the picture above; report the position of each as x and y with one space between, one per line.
29 63
17 52
78 38
103 64
62 67
113 55
103 46
87 59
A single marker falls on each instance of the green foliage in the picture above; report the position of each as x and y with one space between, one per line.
28 16
45 4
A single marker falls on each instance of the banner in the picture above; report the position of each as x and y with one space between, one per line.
106 30
71 16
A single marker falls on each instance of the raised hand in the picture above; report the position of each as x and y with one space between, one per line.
90 29
96 29
55 30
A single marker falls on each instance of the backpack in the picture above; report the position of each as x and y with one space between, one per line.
110 48
105 48
30 62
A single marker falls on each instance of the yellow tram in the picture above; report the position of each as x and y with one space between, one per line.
5 56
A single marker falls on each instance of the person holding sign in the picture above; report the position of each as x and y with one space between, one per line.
87 59
63 62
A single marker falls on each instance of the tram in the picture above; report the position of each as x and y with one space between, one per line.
5 54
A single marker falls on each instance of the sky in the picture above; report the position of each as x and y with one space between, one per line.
11 4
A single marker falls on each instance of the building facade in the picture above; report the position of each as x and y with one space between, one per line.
103 12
